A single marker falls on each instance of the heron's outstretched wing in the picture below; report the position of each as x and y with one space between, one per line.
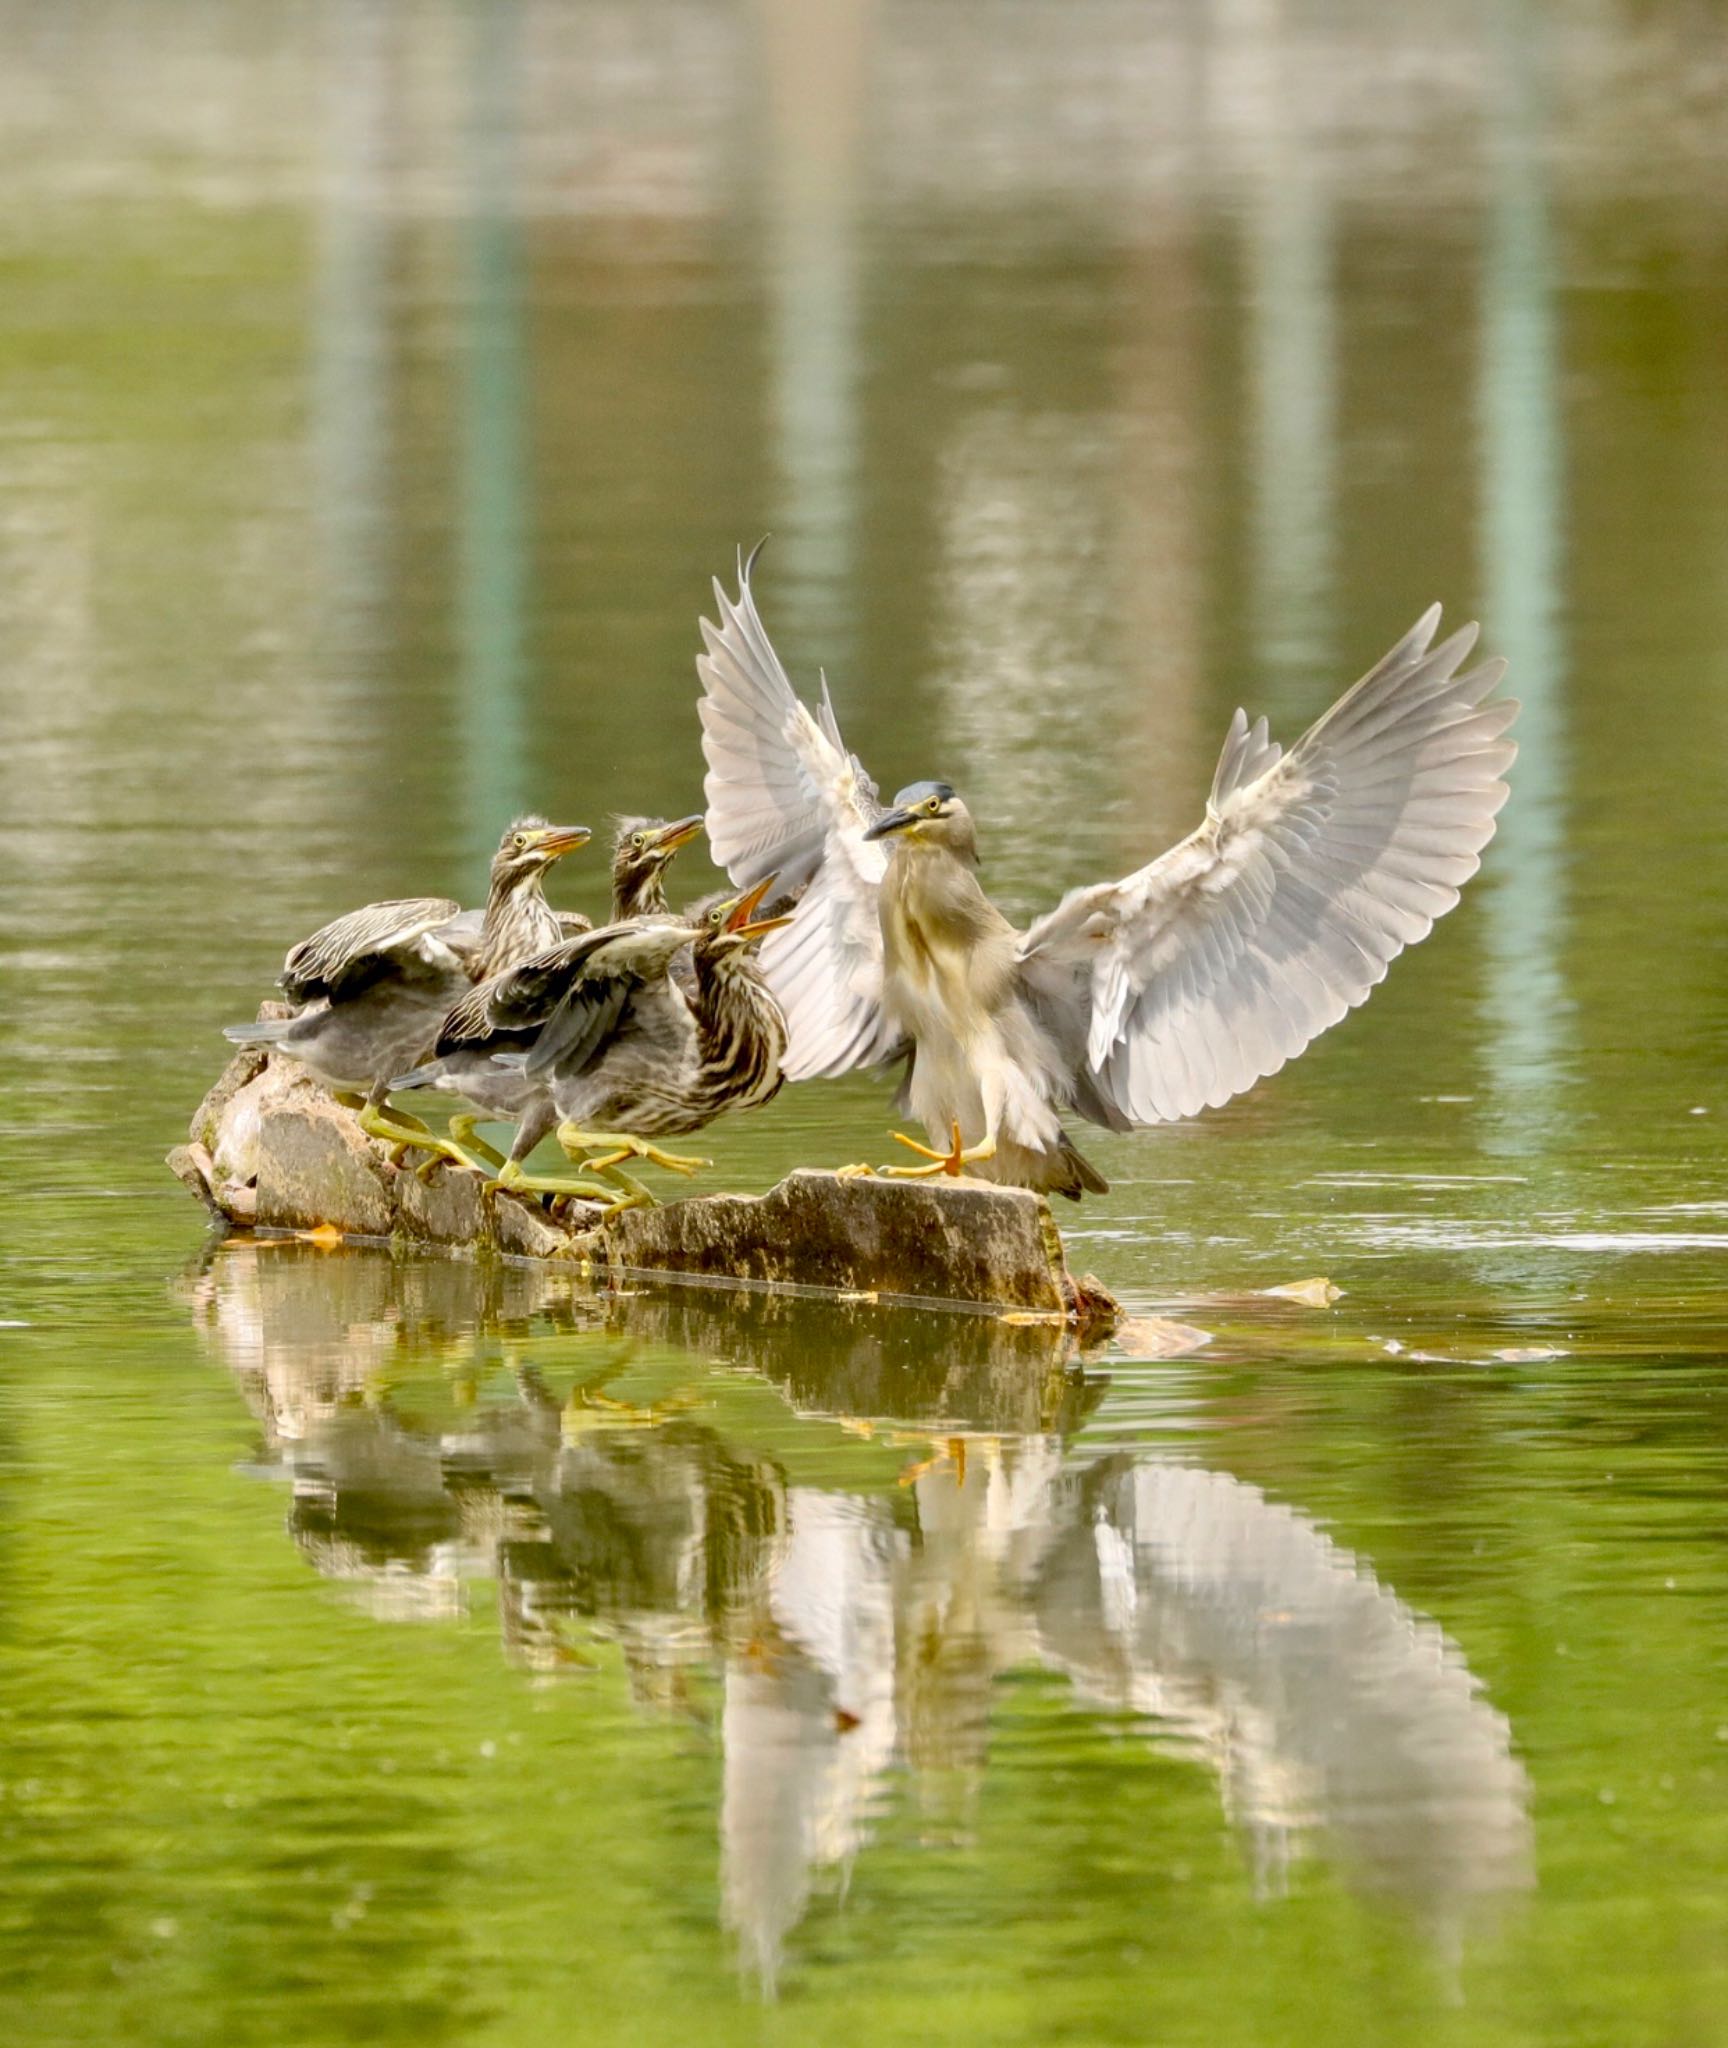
1184 983
573 996
515 1002
785 798
348 954
559 1000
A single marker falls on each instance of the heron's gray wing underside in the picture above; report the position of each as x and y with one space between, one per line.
1184 983
579 1029
520 999
348 954
574 994
786 798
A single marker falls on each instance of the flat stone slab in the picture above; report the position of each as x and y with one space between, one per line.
959 1240
270 1149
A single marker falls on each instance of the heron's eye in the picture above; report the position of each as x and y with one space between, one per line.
520 841
638 840
932 804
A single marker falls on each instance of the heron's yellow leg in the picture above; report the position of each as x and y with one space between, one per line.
615 1205
615 1177
928 1151
953 1161
626 1192
385 1120
465 1130
461 1147
404 1133
861 1171
617 1145
514 1176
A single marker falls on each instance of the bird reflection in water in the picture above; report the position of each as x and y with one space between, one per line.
847 1630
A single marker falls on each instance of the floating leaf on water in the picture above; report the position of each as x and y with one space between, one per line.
326 1234
1021 1317
1311 1293
1157 1337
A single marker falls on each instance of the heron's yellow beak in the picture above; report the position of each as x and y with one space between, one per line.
679 833
554 841
743 924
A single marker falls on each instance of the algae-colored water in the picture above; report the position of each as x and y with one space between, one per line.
392 1651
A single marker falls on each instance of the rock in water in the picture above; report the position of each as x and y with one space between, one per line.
966 1240
270 1148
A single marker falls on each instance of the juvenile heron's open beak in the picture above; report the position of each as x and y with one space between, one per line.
679 833
556 840
892 821
743 924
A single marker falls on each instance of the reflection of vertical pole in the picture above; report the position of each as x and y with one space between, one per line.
1163 525
1294 341
1292 349
813 51
350 341
491 538
1522 541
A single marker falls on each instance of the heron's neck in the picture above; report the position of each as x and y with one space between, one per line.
639 895
519 923
740 1033
931 890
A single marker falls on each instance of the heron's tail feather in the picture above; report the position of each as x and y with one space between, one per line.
266 1031
431 1075
1077 1175
1053 1169
515 1061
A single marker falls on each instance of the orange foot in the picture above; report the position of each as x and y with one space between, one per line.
954 1161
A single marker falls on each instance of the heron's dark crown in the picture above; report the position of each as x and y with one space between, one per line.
921 792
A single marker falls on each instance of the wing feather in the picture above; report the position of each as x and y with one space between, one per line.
1181 985
786 798
350 952
573 995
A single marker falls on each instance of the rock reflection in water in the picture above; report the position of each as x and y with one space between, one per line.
857 1630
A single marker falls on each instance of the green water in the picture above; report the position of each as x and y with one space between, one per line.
395 1651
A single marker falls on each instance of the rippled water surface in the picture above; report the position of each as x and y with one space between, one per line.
399 1650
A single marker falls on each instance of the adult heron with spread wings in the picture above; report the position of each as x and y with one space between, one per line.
1133 1002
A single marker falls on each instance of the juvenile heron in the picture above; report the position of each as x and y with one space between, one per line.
642 851
1133 1002
504 1014
622 1055
374 984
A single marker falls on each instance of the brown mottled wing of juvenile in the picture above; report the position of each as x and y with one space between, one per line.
520 999
350 953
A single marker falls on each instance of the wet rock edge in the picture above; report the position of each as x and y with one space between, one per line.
270 1151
